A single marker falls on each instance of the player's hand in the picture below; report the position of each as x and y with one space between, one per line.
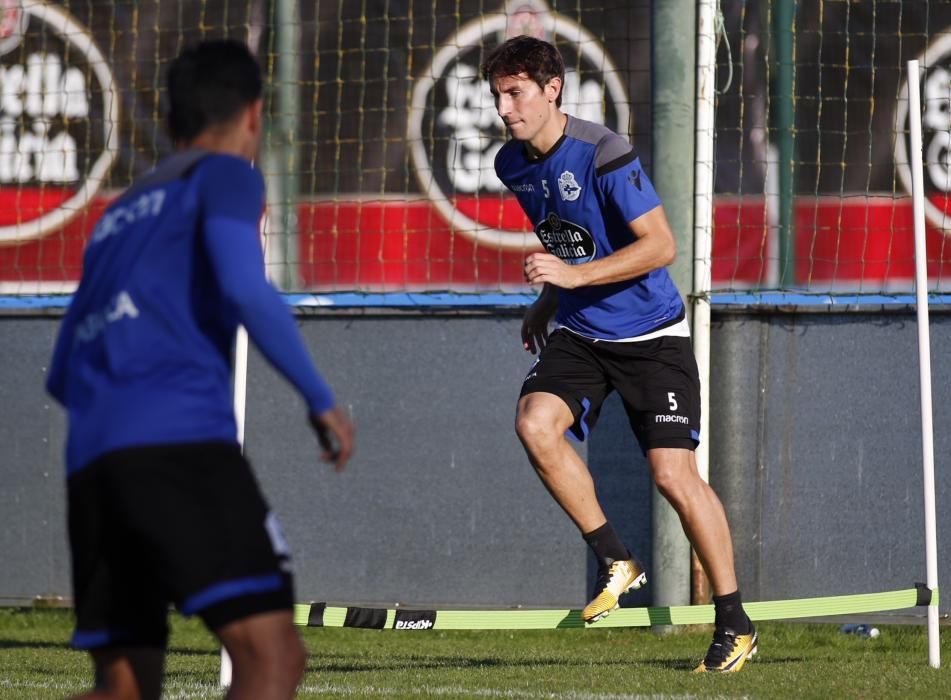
335 435
535 327
547 268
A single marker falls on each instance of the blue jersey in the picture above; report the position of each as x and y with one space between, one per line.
173 266
580 197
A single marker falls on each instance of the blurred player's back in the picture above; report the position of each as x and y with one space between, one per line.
149 332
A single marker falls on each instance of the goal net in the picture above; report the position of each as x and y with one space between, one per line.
381 134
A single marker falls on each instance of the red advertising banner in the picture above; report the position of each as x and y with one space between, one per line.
853 243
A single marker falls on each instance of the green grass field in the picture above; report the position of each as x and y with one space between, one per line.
795 661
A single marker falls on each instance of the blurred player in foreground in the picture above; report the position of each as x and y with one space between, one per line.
620 326
163 507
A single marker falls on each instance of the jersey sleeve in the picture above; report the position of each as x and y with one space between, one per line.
56 378
232 199
622 180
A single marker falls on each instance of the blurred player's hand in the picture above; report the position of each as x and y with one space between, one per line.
335 433
535 325
550 269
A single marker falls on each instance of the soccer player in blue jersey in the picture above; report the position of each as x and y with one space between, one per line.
620 326
163 508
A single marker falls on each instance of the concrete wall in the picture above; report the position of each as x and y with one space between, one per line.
816 450
34 558
814 437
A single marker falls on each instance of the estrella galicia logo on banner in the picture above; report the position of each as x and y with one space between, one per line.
935 90
59 116
572 243
455 132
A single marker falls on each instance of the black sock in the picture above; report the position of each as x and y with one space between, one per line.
606 544
730 613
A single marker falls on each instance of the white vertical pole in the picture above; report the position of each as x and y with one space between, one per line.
703 218
240 396
224 678
240 380
924 354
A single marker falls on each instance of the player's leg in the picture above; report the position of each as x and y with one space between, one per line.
561 396
659 383
224 558
704 521
267 656
541 421
674 471
126 674
120 611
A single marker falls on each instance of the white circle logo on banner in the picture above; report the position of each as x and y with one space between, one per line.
935 132
54 130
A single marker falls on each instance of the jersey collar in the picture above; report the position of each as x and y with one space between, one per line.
542 157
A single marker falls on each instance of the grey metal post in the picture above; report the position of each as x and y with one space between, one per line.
673 54
784 100
280 148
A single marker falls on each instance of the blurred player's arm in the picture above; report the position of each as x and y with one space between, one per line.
56 378
231 240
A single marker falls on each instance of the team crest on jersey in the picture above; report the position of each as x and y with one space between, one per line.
568 186
572 243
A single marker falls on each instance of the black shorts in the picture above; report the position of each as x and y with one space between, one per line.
178 524
656 379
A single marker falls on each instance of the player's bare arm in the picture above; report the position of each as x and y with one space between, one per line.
653 247
537 317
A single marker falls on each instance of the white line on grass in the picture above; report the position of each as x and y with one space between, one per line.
442 691
178 690
461 691
44 685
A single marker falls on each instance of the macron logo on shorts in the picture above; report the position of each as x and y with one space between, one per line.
668 418
531 370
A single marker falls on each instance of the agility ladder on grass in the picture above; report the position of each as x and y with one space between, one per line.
323 615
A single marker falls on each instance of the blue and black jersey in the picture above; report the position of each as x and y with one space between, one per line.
171 269
580 197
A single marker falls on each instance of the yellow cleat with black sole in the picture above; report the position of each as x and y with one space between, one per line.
729 651
615 578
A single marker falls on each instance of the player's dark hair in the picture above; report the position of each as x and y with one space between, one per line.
210 84
538 59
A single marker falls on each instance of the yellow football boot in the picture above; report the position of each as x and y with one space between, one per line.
615 578
729 650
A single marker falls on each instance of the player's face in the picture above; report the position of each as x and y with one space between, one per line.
527 109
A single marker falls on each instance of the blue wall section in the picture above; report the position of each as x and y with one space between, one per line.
814 438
